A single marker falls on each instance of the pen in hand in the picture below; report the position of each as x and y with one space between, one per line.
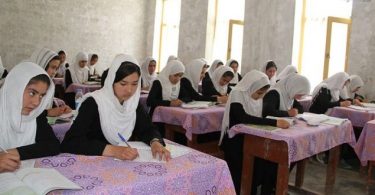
124 140
4 150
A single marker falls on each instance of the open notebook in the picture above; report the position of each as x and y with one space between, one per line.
291 121
317 119
91 83
34 181
197 104
145 154
365 107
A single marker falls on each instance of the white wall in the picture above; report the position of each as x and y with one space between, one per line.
104 27
362 45
268 33
193 25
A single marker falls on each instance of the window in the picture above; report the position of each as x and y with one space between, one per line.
225 30
167 21
317 53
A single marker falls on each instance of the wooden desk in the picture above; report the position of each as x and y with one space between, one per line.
284 146
192 122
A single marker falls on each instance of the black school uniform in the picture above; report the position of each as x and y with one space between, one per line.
208 88
265 172
187 94
322 102
86 136
271 105
46 143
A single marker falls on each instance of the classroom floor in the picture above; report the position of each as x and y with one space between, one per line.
348 181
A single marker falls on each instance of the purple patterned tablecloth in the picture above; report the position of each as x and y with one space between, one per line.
193 173
85 88
304 141
306 103
194 121
358 117
60 130
365 147
58 81
143 101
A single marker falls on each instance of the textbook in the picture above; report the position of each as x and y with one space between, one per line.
263 127
290 120
91 83
34 181
369 105
197 104
363 108
145 154
317 119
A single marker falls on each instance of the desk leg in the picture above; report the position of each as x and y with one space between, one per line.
334 156
169 133
247 173
194 142
282 179
300 173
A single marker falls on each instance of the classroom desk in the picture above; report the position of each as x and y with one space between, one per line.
61 129
191 122
284 146
306 103
58 81
85 88
143 101
358 117
193 173
365 148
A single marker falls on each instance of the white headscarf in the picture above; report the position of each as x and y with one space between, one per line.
218 73
235 78
61 70
147 78
193 72
42 57
213 67
172 57
335 83
91 67
264 69
286 71
290 86
78 74
169 90
355 82
16 129
114 117
2 69
250 83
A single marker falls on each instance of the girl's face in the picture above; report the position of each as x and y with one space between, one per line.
32 96
204 69
258 94
82 63
62 57
234 66
125 88
175 78
225 80
93 61
271 72
152 67
52 67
